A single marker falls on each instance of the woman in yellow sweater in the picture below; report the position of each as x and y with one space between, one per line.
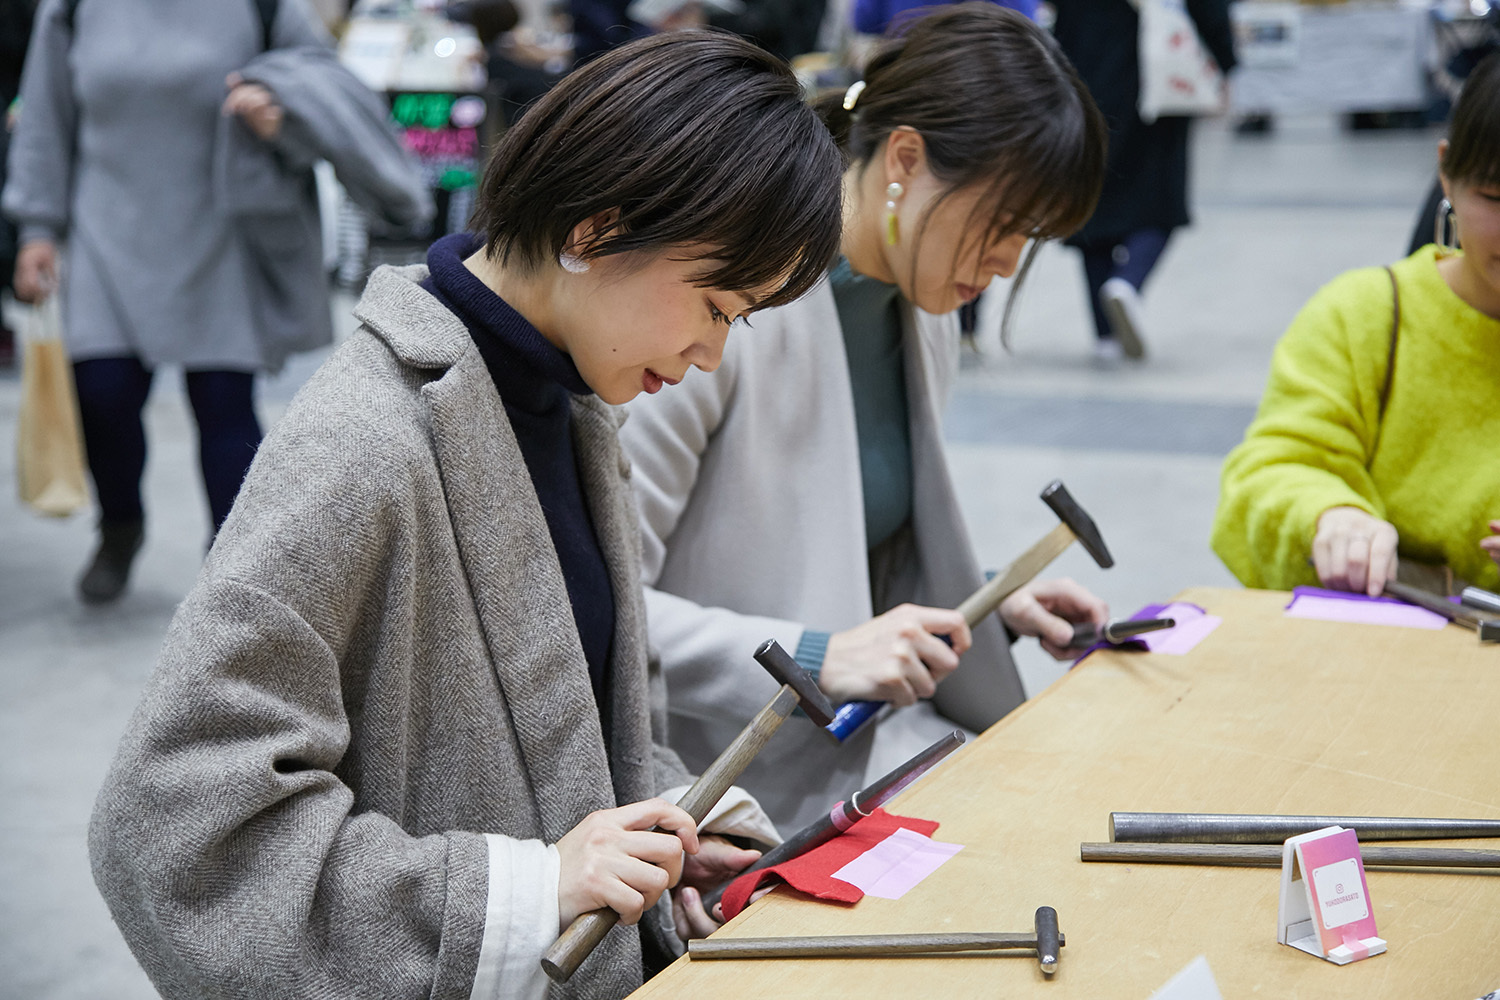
1379 434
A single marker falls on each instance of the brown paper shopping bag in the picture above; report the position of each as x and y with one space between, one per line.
49 445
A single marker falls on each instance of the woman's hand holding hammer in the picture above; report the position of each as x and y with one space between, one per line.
895 657
615 858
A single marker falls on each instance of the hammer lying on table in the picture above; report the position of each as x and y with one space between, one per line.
797 687
1075 526
1046 942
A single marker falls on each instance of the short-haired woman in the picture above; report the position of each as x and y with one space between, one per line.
402 730
1374 447
801 491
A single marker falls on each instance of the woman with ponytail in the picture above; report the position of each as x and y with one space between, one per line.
801 492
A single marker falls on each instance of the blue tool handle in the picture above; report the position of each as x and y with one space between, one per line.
854 714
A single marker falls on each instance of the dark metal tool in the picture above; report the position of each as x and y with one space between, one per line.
845 814
1265 828
1455 613
1489 631
1075 526
797 687
1119 630
1045 941
1270 855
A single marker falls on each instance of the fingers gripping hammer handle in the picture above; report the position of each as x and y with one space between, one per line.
584 934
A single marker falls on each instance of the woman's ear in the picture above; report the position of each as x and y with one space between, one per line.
1442 177
905 155
591 232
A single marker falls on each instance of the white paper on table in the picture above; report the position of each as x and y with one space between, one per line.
1196 982
891 868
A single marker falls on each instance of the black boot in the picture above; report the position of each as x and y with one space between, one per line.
109 571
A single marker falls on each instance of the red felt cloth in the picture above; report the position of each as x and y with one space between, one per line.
812 873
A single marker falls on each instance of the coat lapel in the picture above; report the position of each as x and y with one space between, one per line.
518 589
605 471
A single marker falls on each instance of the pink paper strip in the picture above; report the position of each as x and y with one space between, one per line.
1193 626
1337 609
893 867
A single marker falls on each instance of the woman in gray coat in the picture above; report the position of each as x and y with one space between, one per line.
801 491
402 731
114 158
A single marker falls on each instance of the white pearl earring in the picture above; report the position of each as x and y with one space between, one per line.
893 191
572 263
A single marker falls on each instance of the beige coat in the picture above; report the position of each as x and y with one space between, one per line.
373 712
753 521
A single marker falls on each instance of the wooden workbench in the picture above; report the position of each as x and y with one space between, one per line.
1267 714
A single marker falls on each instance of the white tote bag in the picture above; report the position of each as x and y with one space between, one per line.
1178 76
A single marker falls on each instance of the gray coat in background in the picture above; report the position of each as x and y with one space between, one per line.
378 666
122 153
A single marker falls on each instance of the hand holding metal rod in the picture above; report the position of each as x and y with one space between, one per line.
797 686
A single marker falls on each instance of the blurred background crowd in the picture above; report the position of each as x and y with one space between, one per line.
1131 366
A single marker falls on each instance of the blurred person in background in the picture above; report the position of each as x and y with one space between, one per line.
15 32
1373 452
1145 187
183 194
810 500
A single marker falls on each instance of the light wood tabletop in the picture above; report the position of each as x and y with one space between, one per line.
1268 714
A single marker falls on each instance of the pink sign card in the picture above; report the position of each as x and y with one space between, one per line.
1335 873
893 867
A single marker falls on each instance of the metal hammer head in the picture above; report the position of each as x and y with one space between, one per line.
1049 939
786 671
1057 497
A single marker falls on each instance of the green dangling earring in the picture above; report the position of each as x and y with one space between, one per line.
892 227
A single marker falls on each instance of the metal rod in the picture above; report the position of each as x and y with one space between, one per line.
1234 828
858 806
1269 855
1480 599
1455 613
1119 630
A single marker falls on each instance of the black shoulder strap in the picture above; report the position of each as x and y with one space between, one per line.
264 9
1390 363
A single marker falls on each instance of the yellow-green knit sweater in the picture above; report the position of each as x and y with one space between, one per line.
1433 468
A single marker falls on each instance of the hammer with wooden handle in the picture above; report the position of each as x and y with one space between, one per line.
797 687
1075 526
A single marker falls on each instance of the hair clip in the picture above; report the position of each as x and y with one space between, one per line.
851 96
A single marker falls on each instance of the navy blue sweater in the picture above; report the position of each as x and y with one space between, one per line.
535 381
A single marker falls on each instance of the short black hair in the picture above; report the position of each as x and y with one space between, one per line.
694 138
1473 155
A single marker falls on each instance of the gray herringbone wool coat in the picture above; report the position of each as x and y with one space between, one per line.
377 666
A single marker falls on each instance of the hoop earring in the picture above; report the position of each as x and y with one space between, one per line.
572 263
892 226
1445 229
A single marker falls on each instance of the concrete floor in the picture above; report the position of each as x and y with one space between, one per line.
1138 444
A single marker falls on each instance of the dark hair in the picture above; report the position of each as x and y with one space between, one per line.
996 102
694 138
1473 155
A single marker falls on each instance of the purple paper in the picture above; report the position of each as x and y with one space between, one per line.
1342 606
1193 626
893 867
